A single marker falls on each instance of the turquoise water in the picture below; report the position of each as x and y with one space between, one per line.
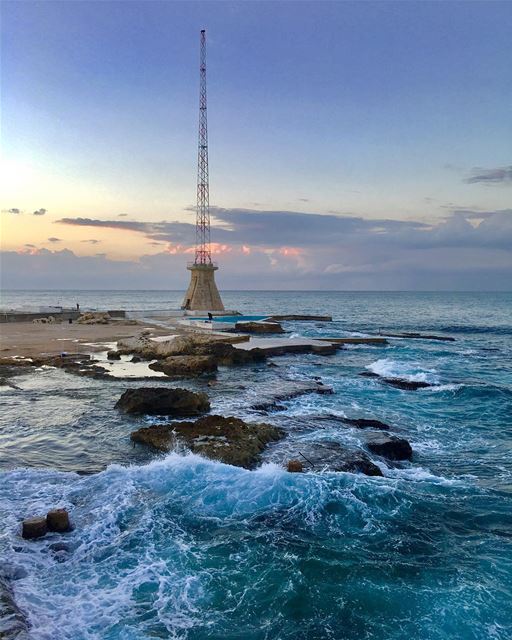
180 547
233 319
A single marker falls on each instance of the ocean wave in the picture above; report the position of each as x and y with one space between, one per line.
412 371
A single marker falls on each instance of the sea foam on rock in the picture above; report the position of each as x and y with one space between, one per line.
226 439
163 401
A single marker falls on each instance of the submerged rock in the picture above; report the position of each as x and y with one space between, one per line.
366 423
229 440
390 447
332 456
286 390
399 383
162 401
185 366
113 355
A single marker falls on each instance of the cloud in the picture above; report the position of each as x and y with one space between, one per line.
39 212
122 215
468 249
14 210
30 246
502 175
91 241
52 239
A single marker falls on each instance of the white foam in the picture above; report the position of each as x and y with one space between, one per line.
412 371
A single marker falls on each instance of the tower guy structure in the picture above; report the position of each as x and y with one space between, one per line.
202 293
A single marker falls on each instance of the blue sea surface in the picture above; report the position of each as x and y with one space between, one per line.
177 546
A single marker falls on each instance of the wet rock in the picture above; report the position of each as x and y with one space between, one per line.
324 349
419 335
295 466
225 354
259 327
390 447
407 385
136 359
227 439
399 383
365 423
185 366
13 622
162 401
286 390
58 520
32 528
331 456
113 355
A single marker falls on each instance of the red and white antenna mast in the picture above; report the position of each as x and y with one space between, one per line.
203 251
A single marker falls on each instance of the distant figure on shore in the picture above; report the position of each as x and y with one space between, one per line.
78 307
210 317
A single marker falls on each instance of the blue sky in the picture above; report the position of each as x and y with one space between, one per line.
378 111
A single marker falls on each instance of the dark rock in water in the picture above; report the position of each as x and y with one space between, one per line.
331 456
399 383
58 520
13 622
162 401
418 335
113 355
228 440
136 359
407 385
286 390
185 366
34 528
324 349
390 447
365 423
369 374
295 466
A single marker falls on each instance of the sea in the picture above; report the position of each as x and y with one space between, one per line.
178 546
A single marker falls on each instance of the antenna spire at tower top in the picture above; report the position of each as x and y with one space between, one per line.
203 250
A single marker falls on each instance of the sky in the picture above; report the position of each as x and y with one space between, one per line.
353 145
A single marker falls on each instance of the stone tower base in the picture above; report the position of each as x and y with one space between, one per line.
202 293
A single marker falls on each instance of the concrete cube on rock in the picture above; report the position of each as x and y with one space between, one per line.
163 402
33 528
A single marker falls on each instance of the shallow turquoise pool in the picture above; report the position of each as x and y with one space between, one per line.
233 318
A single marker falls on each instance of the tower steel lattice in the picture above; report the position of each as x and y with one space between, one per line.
203 249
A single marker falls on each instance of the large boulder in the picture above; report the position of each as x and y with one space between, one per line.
185 366
259 327
390 447
228 440
163 401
